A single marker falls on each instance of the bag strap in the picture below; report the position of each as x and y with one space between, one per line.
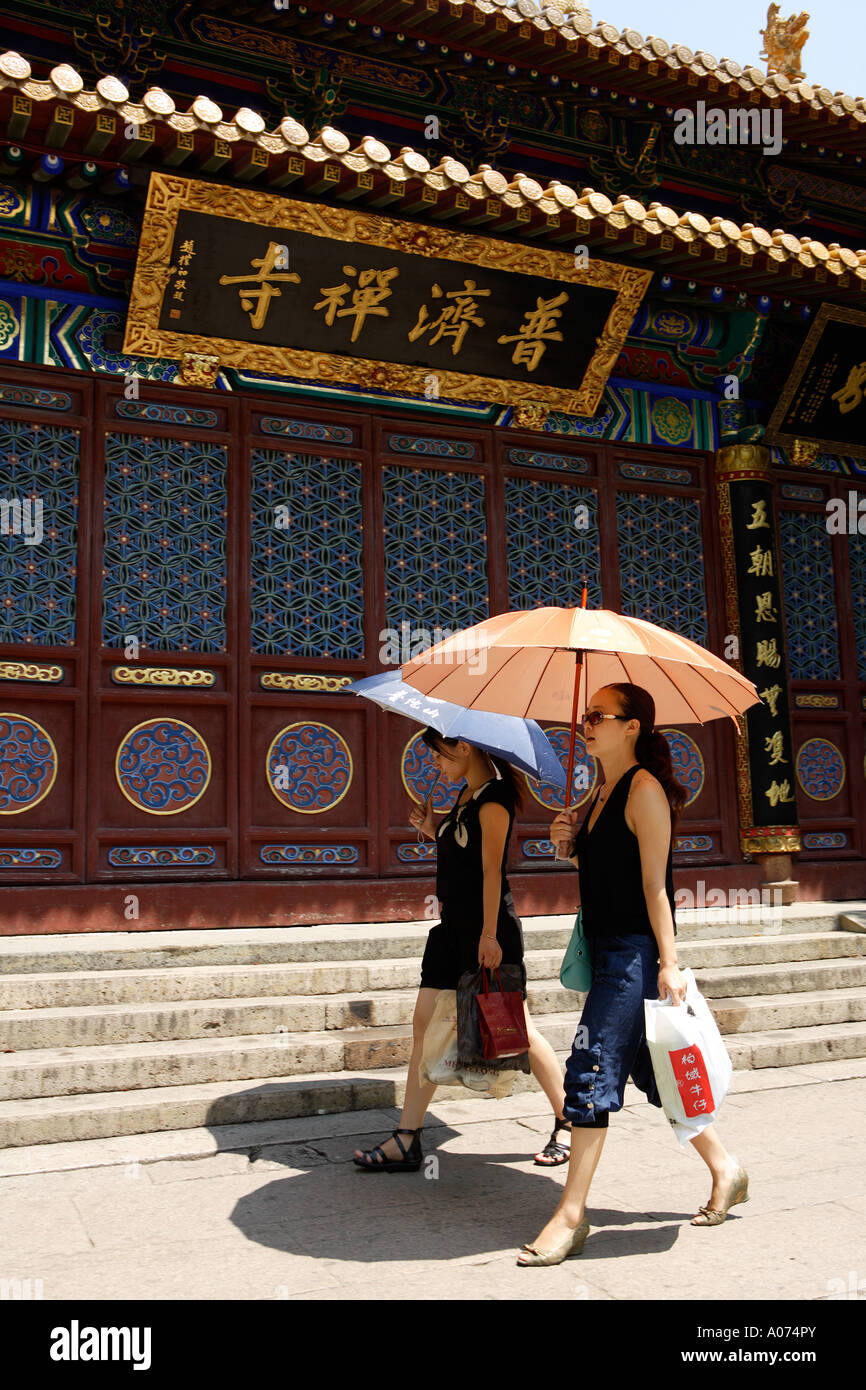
484 979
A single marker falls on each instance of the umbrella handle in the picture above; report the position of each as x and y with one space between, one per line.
426 804
569 787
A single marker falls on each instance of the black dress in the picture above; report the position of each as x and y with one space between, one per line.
609 867
452 945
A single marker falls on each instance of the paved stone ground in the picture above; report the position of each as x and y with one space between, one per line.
276 1210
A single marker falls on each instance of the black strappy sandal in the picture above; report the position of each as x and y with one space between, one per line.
557 1153
409 1163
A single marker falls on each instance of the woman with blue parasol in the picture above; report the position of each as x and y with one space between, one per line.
479 924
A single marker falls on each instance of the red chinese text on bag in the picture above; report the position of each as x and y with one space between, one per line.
690 1072
502 1022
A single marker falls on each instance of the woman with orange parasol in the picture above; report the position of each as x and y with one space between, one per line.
625 863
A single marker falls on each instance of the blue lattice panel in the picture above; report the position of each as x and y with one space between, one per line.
661 561
435 536
165 543
809 596
552 544
39 478
306 562
857 555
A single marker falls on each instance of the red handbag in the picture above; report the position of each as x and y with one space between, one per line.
501 1022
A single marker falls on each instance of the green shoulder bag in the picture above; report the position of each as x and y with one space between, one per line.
576 970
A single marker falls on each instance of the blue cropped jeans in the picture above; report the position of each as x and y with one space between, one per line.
624 973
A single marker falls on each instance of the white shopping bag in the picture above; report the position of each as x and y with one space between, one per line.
690 1061
439 1055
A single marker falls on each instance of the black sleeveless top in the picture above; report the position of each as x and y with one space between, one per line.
611 886
459 867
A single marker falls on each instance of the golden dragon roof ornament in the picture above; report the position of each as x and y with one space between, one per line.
783 42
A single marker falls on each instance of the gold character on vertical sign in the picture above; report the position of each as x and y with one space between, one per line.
779 791
773 745
771 695
764 610
454 319
851 394
759 515
766 654
538 329
264 293
366 299
762 563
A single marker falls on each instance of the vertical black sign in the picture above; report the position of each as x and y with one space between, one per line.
762 650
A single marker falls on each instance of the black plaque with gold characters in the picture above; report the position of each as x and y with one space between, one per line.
765 765
824 399
306 290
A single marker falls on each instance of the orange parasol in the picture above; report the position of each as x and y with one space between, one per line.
538 662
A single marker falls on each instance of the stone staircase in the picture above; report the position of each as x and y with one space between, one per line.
104 1035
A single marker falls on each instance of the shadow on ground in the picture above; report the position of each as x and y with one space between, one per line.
458 1205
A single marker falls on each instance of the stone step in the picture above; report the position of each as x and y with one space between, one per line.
827 992
782 977
84 988
769 950
153 950
22 1029
67 1118
760 1012
49 1071
794 1047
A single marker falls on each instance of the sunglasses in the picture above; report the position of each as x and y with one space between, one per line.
595 716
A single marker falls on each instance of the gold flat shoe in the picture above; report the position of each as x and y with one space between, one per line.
571 1246
737 1192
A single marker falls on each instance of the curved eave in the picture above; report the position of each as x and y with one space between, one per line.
572 48
60 117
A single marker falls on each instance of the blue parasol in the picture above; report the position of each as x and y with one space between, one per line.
519 741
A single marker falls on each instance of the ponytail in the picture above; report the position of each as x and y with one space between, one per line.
652 749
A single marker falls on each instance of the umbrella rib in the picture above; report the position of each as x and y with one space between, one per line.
542 675
676 687
701 676
517 651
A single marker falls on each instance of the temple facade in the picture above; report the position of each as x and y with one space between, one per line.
327 330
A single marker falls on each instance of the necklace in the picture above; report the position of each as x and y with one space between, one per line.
602 796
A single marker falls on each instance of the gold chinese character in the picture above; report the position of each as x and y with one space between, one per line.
759 515
851 393
366 299
771 695
537 328
762 562
773 746
766 654
779 791
454 320
266 291
764 610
